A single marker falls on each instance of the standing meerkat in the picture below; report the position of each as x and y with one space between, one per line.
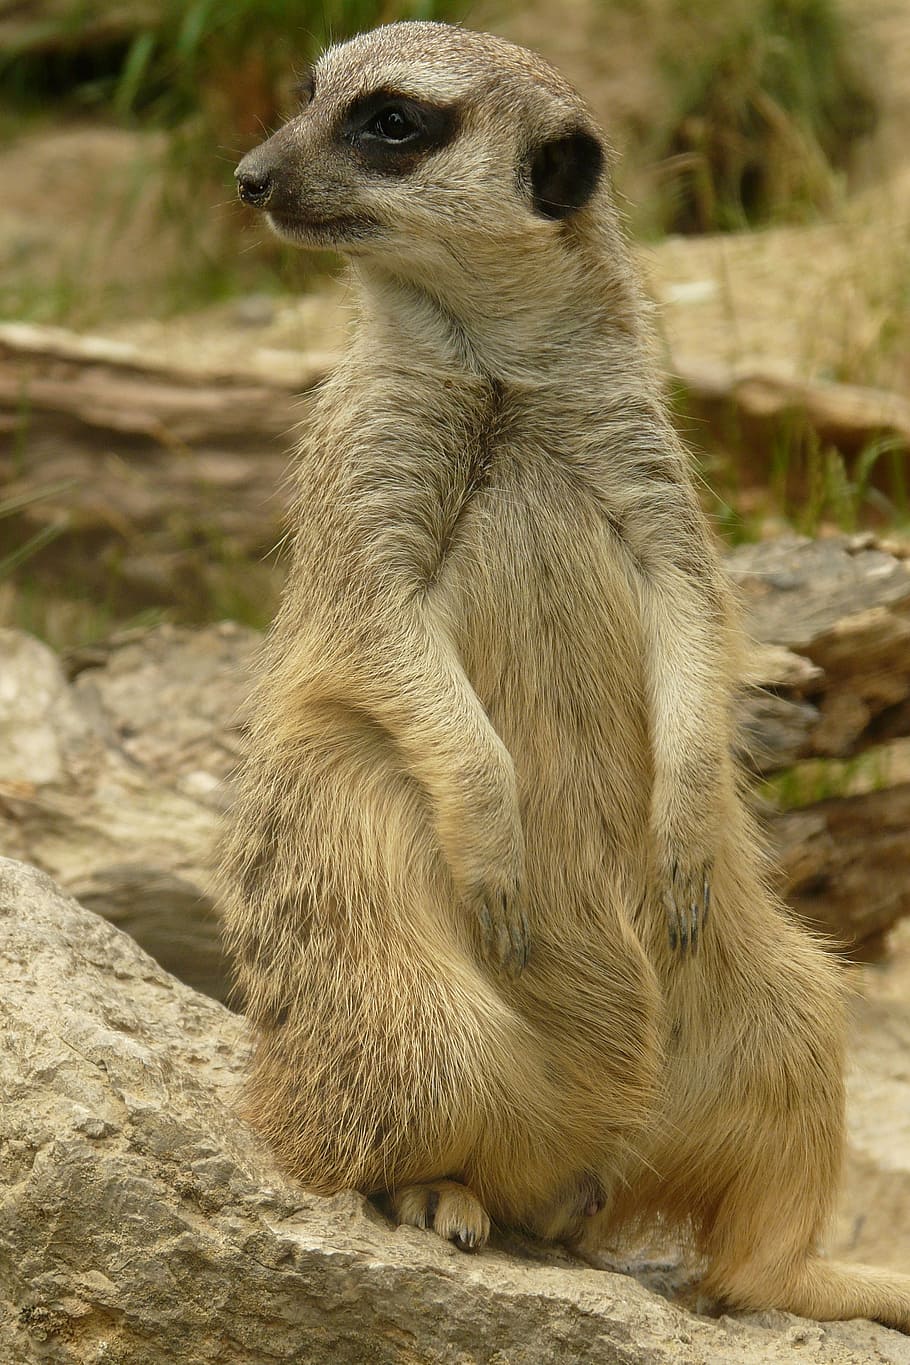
489 760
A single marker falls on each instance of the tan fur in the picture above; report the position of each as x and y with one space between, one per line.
496 703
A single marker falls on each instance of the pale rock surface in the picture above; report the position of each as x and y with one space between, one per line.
41 728
112 783
142 1224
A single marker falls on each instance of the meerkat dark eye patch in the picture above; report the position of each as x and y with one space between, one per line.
564 173
391 132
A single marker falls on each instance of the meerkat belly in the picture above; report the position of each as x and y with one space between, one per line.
547 626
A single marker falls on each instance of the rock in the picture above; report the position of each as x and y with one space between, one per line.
874 1213
843 608
42 730
142 1223
112 783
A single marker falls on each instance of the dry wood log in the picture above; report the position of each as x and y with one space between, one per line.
843 865
51 379
754 415
154 480
847 416
840 609
112 386
832 677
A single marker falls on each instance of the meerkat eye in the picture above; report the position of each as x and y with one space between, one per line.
391 132
393 124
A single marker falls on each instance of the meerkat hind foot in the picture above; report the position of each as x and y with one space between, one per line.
446 1207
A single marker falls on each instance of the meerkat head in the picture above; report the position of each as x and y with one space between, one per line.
430 147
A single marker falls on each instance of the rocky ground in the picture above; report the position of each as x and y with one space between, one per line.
141 1222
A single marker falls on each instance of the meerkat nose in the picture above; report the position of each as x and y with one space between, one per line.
254 184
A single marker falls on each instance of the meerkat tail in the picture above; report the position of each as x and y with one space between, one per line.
825 1290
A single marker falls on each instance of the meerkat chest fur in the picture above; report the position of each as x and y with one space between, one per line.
425 428
499 498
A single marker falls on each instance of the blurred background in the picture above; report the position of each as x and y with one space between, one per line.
763 155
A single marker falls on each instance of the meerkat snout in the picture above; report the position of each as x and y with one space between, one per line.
254 185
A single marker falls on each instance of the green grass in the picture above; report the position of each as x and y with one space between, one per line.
814 485
790 478
209 78
230 60
766 101
29 546
822 779
68 622
38 598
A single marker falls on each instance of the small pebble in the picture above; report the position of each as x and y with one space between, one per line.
253 310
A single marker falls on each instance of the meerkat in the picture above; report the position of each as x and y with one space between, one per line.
489 794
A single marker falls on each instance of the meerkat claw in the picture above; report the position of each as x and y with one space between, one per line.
445 1207
686 910
521 941
504 933
485 920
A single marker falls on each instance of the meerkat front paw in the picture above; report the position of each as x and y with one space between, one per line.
685 890
447 1207
503 925
487 864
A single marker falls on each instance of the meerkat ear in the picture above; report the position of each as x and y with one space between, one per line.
564 173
